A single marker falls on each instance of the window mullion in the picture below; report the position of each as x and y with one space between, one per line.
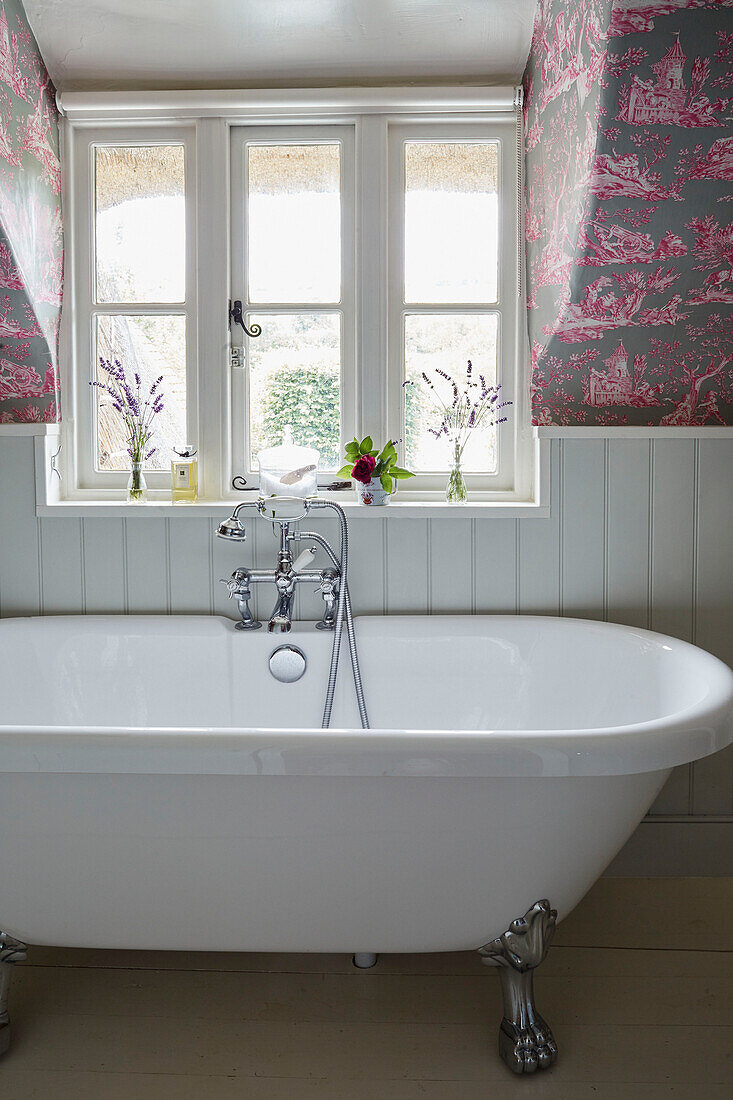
210 287
396 308
373 386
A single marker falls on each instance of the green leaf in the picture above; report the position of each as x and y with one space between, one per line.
373 453
345 471
352 448
366 445
386 483
399 473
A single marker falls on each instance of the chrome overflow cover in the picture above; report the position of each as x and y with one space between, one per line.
287 663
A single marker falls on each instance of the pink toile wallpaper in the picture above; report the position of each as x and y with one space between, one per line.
629 134
31 247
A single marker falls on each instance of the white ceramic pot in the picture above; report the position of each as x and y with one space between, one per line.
373 493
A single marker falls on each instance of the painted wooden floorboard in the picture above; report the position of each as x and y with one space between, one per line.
277 998
632 1022
40 1085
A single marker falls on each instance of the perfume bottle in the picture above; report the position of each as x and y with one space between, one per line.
184 475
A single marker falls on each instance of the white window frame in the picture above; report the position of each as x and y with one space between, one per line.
81 280
372 394
505 307
241 138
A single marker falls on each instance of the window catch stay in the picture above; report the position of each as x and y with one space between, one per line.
235 314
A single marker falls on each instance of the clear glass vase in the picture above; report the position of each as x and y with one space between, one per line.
456 491
137 489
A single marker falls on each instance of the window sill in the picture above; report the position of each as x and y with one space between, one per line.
402 509
30 429
404 505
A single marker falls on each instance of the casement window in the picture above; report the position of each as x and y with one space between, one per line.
293 209
452 286
133 292
370 241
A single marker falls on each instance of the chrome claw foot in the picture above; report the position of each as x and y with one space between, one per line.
529 1048
11 951
526 1043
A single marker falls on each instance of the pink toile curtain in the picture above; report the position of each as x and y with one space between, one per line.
31 247
629 214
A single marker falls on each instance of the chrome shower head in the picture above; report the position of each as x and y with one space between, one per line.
232 528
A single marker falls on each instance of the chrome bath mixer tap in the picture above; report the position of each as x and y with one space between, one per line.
286 575
332 582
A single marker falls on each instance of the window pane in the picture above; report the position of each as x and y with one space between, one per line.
445 342
150 346
295 371
451 226
294 223
140 223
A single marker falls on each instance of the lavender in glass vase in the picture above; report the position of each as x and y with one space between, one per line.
138 411
471 404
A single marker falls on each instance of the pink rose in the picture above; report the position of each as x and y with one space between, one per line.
364 469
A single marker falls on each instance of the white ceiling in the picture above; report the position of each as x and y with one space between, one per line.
135 44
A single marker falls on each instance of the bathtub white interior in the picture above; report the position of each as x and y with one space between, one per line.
443 672
300 863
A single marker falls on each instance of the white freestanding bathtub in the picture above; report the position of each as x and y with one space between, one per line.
160 789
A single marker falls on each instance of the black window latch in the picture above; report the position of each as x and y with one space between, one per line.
235 314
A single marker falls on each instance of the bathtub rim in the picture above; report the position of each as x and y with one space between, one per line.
646 747
698 730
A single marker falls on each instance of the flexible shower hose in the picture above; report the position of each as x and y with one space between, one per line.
343 611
